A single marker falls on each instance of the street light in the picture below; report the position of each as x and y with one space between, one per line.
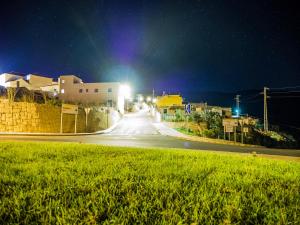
237 111
149 99
154 100
125 91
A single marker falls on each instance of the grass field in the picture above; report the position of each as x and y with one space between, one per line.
56 183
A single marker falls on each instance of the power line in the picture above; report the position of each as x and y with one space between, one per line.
291 87
294 96
254 101
251 97
286 92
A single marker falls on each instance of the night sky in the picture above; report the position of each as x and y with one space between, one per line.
167 45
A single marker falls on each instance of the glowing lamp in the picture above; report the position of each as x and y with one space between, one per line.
125 91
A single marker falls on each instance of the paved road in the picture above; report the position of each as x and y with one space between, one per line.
138 130
135 124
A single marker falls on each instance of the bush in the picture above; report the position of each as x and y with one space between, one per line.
209 133
179 116
28 97
197 118
54 101
11 94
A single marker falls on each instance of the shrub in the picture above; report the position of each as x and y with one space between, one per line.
11 94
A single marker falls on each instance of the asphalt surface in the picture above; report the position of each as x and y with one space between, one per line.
137 130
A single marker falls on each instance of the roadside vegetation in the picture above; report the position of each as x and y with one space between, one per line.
209 124
60 183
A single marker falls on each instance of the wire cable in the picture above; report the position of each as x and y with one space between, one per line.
291 87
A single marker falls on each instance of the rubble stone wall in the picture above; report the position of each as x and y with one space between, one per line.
44 118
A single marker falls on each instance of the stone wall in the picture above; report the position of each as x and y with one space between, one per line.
43 118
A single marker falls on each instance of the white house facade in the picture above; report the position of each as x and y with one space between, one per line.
72 89
69 88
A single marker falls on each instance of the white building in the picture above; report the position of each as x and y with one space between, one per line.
12 80
72 89
30 81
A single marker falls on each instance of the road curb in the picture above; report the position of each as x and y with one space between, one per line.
221 142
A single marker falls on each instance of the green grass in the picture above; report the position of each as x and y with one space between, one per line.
186 131
55 183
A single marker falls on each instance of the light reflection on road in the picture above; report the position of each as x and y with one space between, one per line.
138 123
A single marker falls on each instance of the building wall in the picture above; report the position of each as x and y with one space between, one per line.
72 89
19 83
52 90
42 118
169 100
6 77
38 81
31 82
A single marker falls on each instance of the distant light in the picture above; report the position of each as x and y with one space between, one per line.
154 100
149 99
125 91
237 111
141 98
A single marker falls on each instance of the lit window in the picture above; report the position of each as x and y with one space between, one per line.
80 90
62 91
86 90
62 81
96 90
109 89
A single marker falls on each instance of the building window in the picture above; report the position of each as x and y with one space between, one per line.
109 89
62 81
86 90
62 91
96 90
109 103
80 90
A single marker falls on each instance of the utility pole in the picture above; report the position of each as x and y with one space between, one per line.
266 128
242 132
153 94
237 99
